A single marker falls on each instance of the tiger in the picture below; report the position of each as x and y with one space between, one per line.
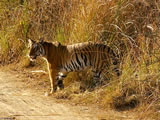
62 59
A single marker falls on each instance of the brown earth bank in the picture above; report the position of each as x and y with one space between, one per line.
23 97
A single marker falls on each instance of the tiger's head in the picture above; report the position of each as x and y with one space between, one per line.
36 49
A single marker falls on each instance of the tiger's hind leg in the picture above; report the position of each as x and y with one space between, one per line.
96 77
116 65
116 68
117 71
109 72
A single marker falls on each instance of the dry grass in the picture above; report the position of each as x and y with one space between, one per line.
130 27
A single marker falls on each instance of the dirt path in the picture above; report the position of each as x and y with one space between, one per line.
24 104
20 103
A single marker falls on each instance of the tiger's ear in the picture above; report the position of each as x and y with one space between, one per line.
57 44
30 41
41 41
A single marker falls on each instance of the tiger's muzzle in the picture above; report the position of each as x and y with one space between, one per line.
33 58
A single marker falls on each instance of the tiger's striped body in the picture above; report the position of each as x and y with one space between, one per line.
64 59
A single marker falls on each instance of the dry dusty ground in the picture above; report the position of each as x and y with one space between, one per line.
18 102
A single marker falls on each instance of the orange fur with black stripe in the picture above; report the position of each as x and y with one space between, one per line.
62 59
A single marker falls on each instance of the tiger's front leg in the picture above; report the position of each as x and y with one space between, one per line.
52 75
59 80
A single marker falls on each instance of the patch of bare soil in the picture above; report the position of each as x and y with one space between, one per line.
22 98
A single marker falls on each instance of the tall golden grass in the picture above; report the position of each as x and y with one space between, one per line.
130 27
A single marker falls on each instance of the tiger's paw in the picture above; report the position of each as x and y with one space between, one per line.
49 93
46 94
